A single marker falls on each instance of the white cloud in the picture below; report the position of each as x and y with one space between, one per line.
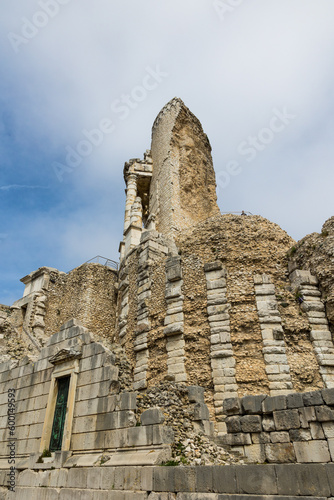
230 73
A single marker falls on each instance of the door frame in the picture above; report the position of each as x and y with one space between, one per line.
67 368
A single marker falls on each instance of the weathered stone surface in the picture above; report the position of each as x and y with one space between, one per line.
328 429
306 415
201 412
237 439
196 394
232 406
316 430
300 435
268 424
233 424
280 437
252 404
312 398
251 423
328 396
300 479
152 416
261 437
286 419
224 479
324 413
255 453
271 404
295 400
255 479
312 451
280 453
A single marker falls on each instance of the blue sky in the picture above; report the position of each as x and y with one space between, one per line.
257 73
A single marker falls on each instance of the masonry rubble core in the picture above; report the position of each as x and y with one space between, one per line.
210 349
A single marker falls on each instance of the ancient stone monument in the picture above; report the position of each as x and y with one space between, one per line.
208 348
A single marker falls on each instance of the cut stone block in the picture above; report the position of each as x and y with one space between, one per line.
256 479
312 451
201 412
286 419
280 437
251 423
252 404
152 416
273 403
196 394
297 480
280 452
324 413
232 406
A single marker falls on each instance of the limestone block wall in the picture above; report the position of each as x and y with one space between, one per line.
222 297
136 324
253 482
280 429
270 334
99 418
87 293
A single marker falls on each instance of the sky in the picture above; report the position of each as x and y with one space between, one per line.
82 81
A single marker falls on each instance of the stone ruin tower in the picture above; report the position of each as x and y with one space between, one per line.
213 327
180 190
210 299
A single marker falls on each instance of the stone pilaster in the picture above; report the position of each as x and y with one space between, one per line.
274 349
309 296
174 320
124 299
148 251
221 352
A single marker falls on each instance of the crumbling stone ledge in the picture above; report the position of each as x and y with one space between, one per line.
297 427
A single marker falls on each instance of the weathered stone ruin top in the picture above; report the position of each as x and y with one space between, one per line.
174 186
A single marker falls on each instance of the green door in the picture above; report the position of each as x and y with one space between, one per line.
60 414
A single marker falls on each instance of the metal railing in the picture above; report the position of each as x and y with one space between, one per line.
100 260
103 261
240 213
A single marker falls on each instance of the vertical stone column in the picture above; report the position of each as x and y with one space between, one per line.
221 352
124 297
174 320
274 349
309 296
131 194
133 232
148 251
144 283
